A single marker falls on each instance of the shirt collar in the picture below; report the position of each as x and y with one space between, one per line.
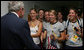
15 14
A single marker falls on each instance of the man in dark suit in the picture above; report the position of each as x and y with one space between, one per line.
15 32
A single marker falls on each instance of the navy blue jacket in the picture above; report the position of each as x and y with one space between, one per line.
15 33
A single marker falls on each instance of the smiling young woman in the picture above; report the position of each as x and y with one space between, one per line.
73 29
35 27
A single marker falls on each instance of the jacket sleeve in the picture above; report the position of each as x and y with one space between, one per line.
29 43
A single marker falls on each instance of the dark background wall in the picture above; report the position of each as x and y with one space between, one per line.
57 5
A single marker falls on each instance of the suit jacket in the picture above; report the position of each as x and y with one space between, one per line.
15 33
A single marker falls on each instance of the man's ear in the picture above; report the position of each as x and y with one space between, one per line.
19 12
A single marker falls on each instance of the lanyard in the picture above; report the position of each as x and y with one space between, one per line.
73 26
53 31
51 27
74 29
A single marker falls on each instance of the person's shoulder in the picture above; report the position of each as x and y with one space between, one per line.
29 22
59 23
22 19
22 22
81 19
5 15
9 15
64 21
39 22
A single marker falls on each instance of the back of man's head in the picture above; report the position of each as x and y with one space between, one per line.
15 6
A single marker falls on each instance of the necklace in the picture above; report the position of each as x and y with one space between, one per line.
33 23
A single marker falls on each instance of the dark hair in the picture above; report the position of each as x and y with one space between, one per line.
60 12
74 10
33 9
46 11
41 9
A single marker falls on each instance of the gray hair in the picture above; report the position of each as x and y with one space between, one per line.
15 5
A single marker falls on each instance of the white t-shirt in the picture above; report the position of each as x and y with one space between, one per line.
45 25
57 28
81 20
64 24
72 33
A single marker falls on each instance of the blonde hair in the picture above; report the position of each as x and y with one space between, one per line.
54 12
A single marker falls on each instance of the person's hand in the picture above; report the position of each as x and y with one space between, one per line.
55 37
45 34
42 35
68 17
67 36
51 37
78 31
